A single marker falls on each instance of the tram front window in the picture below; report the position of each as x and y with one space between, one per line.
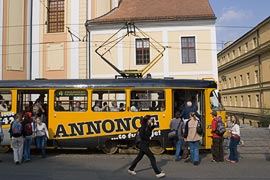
215 100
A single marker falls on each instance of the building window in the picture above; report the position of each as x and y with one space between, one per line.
230 100
256 76
242 101
188 50
248 79
233 53
56 16
235 102
234 81
229 57
230 83
246 45
249 101
257 100
254 42
239 50
142 51
241 80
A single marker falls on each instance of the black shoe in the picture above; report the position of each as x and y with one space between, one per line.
196 163
17 162
1 161
187 160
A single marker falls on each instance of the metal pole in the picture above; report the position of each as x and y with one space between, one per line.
31 39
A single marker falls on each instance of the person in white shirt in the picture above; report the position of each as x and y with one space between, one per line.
234 140
42 134
114 107
3 106
133 107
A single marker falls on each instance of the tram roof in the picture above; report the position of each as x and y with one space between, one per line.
102 83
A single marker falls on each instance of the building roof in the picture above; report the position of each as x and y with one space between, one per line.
145 10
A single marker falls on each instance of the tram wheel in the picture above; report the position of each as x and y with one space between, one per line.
4 149
156 148
110 147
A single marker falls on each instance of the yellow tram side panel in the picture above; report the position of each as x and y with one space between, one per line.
208 119
64 120
13 110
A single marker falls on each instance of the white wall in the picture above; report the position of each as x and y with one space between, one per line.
36 70
74 46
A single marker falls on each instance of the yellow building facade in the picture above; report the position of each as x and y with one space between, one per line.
244 79
46 38
49 39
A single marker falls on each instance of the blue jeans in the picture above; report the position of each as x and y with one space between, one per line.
41 142
194 151
178 146
27 147
233 149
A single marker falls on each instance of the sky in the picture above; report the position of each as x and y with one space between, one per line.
236 17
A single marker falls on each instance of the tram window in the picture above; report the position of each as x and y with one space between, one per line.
215 100
108 100
71 100
148 100
5 101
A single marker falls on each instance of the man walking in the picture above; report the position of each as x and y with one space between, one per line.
217 141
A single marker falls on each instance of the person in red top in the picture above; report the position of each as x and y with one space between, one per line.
217 141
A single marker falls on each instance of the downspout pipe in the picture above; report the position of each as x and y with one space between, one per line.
88 49
31 40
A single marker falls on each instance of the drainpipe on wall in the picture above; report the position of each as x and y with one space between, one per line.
31 39
260 75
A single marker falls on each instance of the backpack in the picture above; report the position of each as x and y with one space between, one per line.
199 128
220 127
16 129
28 129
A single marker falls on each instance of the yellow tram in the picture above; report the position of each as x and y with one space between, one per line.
84 122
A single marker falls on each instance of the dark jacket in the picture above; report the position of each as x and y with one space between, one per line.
146 133
185 114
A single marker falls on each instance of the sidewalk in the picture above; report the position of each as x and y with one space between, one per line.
253 141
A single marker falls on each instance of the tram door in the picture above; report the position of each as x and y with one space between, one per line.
34 102
182 96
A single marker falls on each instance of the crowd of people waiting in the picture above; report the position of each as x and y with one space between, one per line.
28 128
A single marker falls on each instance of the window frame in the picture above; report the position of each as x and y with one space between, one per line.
110 93
78 98
144 57
56 16
136 95
188 48
6 101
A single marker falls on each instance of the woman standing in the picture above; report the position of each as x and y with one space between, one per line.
41 136
234 140
16 134
193 138
28 131
177 124
145 133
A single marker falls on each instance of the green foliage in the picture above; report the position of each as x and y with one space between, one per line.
264 120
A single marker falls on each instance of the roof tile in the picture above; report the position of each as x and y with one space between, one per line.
131 10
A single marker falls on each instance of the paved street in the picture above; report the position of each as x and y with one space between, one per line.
98 166
82 164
